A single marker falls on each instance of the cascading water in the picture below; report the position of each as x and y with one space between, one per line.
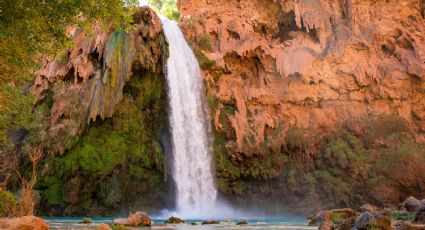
192 170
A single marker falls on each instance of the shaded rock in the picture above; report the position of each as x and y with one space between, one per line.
86 221
407 225
24 223
103 227
419 217
210 222
241 223
412 204
368 220
347 224
368 208
193 223
174 220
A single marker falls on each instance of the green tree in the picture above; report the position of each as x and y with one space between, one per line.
33 29
167 8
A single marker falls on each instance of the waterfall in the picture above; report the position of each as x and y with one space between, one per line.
192 169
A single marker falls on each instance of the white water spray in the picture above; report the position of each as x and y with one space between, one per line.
192 171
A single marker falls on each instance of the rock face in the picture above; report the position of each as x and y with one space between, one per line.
26 222
96 70
313 97
101 116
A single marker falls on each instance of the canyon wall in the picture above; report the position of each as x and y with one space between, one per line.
101 121
315 103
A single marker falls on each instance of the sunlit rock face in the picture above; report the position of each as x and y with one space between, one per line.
284 80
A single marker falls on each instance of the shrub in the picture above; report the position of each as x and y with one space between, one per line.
298 140
203 60
8 204
204 42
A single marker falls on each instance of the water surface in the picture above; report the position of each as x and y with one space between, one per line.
283 223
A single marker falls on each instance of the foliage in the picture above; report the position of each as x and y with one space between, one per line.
167 8
8 204
203 60
396 215
32 29
204 42
298 140
15 111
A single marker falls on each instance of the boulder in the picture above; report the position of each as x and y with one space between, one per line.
121 221
333 217
139 219
407 225
134 220
347 224
241 223
174 220
412 204
420 216
25 222
210 222
368 208
369 220
86 221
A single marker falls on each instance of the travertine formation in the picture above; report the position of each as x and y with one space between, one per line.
88 83
316 67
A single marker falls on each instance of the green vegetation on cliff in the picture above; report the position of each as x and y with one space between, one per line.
116 159
348 167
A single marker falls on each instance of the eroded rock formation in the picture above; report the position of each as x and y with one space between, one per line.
314 98
94 73
100 120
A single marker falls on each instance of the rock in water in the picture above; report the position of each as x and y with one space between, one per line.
24 223
210 222
139 219
121 221
86 221
174 220
241 223
134 220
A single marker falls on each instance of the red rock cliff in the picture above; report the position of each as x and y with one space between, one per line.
289 76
